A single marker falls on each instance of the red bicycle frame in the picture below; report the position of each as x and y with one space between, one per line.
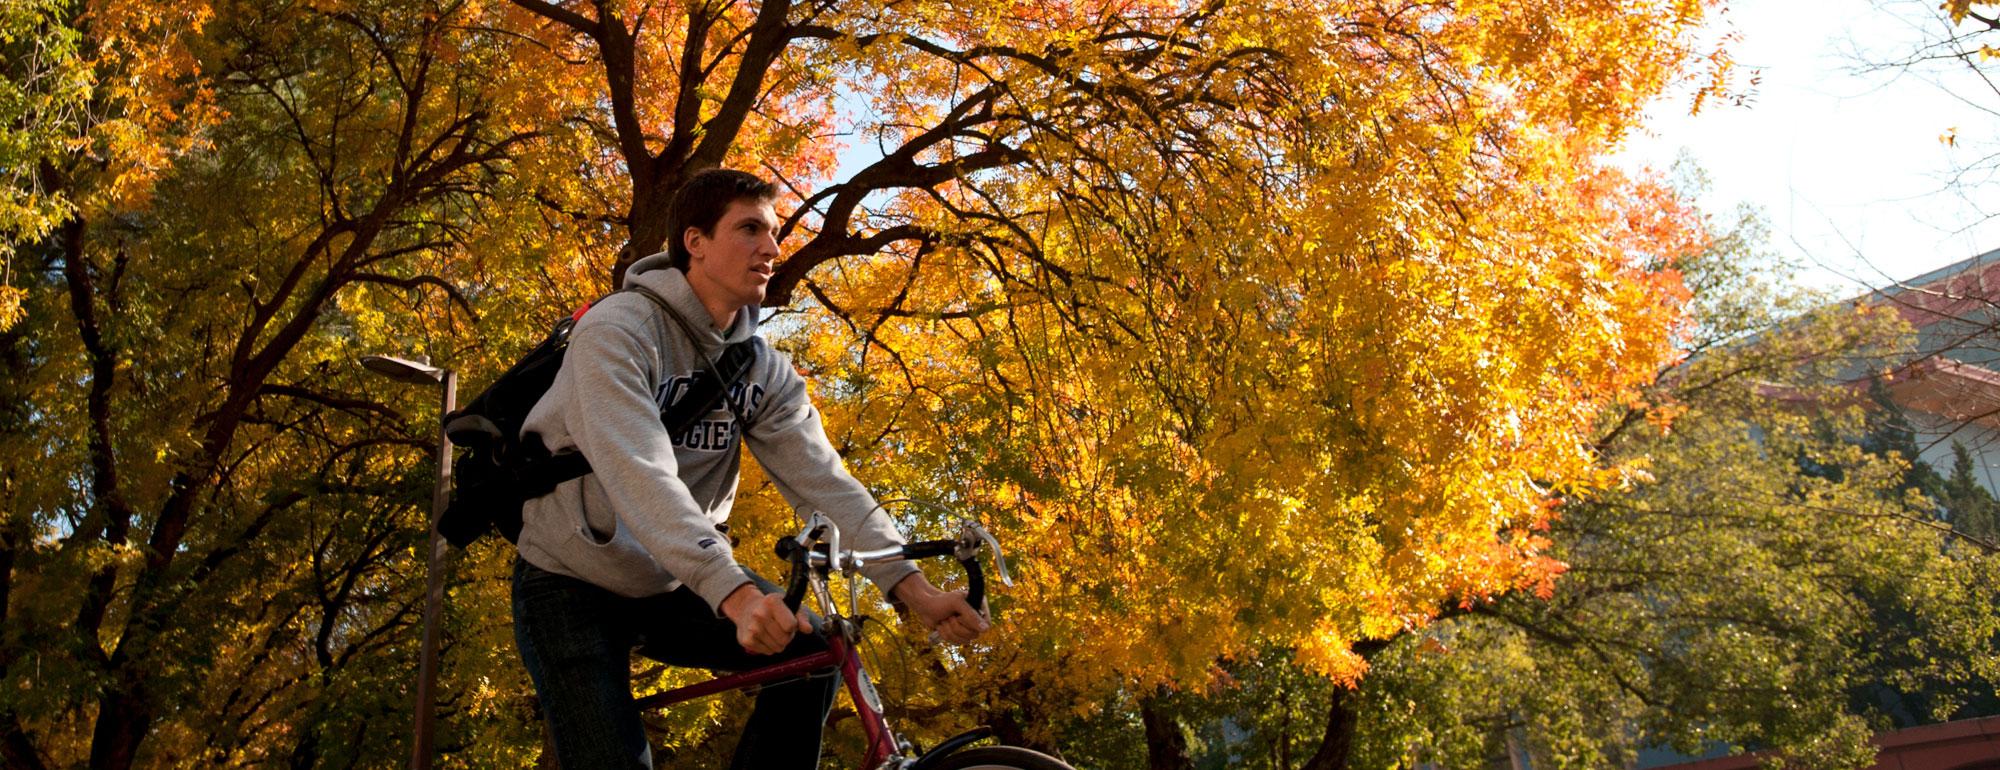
842 634
841 654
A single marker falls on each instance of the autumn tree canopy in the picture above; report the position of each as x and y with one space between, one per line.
1247 325
1778 574
1777 580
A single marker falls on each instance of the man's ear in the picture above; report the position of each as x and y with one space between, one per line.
688 239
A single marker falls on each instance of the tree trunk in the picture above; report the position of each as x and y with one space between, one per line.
1010 729
645 225
1338 742
1011 714
122 722
1166 745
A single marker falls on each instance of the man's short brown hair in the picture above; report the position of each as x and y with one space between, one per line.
701 201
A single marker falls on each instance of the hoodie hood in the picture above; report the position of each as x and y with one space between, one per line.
658 274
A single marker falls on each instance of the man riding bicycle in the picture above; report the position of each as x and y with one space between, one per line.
635 555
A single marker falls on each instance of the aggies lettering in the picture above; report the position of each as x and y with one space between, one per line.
744 398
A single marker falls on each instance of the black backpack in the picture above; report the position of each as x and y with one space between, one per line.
501 469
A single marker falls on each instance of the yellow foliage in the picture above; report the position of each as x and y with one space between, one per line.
1305 410
11 311
1275 325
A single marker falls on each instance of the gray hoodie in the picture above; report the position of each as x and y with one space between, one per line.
644 521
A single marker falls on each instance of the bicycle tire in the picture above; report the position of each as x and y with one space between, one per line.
998 758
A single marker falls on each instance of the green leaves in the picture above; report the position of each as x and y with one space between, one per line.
47 84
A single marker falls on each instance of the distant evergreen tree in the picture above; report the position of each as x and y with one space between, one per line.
1960 500
1889 431
1968 507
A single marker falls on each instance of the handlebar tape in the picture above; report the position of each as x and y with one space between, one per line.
924 549
795 587
975 589
975 584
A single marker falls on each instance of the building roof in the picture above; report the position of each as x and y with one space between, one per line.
1970 744
1955 310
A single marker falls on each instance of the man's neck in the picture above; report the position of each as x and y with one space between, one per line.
721 311
722 316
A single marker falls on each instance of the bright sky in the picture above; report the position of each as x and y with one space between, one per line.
1846 164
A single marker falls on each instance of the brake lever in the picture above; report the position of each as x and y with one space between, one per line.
815 528
970 535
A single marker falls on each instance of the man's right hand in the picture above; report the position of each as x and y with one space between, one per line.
763 625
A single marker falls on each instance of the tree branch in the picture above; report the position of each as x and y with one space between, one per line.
418 281
768 38
349 405
560 15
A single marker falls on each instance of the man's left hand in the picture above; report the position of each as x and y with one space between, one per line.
945 612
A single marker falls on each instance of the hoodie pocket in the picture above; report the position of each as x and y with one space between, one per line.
618 563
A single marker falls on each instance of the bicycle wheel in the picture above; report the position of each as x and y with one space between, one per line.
998 758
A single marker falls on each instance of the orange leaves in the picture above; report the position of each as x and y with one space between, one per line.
1578 67
142 54
1331 654
99 101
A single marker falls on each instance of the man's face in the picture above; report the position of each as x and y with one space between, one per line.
734 265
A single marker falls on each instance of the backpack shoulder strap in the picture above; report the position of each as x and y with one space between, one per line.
667 309
710 385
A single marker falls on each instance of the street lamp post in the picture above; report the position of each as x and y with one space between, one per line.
420 372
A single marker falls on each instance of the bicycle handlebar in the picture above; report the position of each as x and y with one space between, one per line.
824 558
975 580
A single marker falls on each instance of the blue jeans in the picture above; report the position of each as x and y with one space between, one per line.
577 641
